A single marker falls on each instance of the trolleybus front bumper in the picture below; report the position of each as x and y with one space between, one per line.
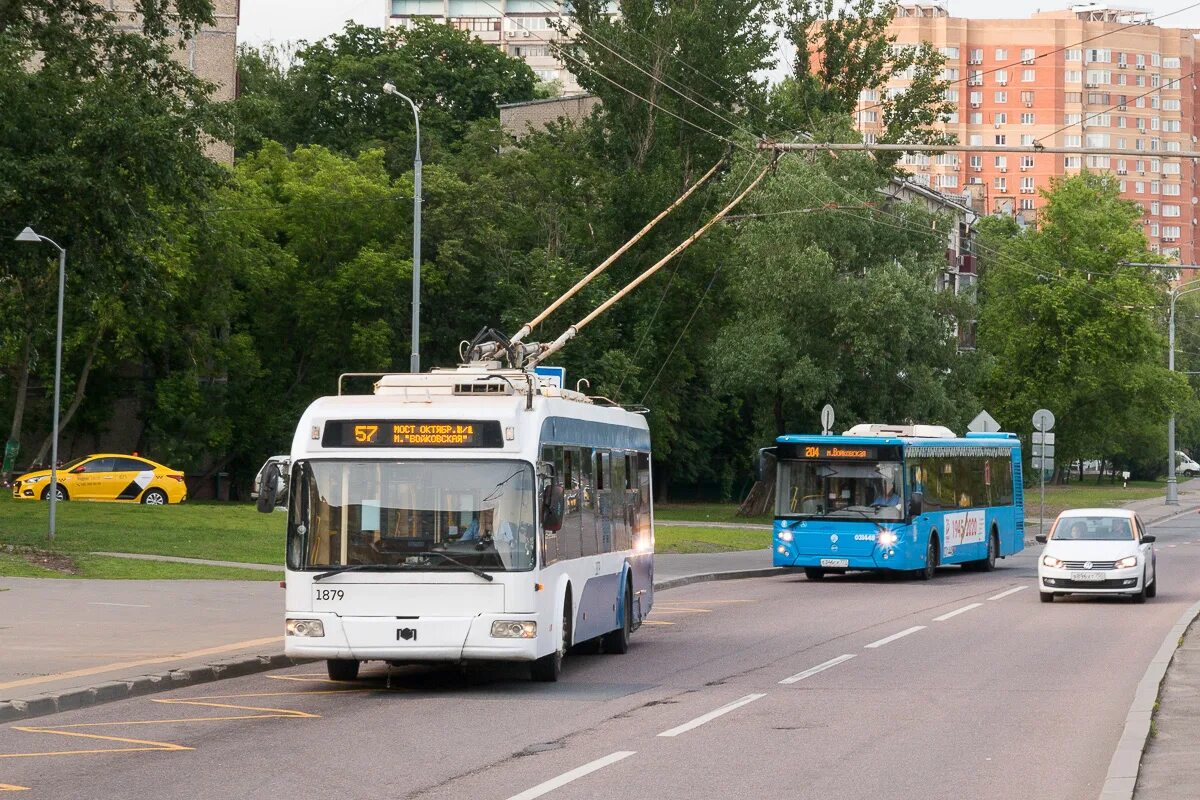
411 638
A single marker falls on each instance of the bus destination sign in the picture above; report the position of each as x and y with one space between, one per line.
412 433
839 451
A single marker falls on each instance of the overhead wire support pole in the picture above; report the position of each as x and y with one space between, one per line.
786 147
572 331
533 323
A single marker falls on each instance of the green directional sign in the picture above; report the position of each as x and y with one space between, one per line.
11 448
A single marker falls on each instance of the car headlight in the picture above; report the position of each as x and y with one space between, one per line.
514 629
35 479
785 536
1127 561
305 627
1051 561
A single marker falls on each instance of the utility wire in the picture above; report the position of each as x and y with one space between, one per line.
1058 49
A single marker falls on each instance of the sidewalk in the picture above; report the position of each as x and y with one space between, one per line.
1170 768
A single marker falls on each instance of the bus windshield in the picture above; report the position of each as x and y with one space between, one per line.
407 514
840 489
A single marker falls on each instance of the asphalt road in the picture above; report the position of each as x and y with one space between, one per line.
988 694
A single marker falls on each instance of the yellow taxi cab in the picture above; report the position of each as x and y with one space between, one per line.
107 476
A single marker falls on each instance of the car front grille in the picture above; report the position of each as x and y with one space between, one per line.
1111 583
1079 565
16 488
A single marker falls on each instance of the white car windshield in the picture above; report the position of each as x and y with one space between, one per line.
1106 529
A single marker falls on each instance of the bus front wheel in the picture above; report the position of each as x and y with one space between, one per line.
814 573
342 669
927 572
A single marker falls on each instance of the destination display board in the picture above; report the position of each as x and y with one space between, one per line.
412 433
820 451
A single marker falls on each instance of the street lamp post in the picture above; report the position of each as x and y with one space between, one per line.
415 359
28 235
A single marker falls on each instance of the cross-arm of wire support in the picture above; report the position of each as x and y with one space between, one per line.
533 323
571 332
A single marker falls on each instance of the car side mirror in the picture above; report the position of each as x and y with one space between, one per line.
553 507
77 470
1149 538
1041 538
916 504
269 488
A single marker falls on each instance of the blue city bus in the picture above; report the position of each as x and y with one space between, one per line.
902 498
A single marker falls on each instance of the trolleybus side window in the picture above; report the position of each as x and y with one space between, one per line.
587 514
550 539
620 499
644 500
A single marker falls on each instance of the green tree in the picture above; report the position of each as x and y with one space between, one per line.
1068 328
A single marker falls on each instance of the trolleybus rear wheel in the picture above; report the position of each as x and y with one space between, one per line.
618 641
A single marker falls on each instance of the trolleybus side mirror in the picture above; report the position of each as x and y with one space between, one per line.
268 490
553 505
916 504
1040 538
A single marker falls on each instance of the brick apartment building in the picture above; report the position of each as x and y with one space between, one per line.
522 28
1015 81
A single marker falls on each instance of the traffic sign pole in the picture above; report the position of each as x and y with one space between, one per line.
1043 423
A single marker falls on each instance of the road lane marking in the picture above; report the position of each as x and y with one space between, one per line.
1013 590
956 612
120 605
656 622
710 716
121 665
573 775
1170 545
808 673
895 636
679 610
8 787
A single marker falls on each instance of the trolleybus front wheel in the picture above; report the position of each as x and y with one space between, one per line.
342 669
548 668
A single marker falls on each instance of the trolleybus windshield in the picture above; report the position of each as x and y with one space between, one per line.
840 489
394 515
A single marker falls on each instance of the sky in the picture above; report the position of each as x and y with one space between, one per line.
291 20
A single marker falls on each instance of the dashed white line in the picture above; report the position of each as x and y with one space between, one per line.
808 673
956 612
710 716
121 605
1170 545
1013 590
895 636
573 775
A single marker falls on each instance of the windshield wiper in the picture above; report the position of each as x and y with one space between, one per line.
454 560
347 568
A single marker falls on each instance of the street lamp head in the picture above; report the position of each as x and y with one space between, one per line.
28 235
390 88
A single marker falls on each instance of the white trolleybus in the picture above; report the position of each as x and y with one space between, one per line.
469 514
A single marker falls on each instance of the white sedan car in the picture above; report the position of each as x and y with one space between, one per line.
1097 551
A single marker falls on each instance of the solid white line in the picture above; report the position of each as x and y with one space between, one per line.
808 673
122 605
573 775
895 636
710 716
1013 590
956 612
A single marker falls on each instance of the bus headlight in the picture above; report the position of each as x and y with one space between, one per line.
514 629
785 536
305 627
887 538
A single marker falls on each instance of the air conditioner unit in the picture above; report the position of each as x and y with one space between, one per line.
975 181
974 61
510 34
974 105
1122 172
1002 83
1091 86
1141 66
977 169
998 124
524 33
1024 169
1029 104
1004 169
1122 66
1165 239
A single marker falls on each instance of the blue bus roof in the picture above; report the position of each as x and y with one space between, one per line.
972 439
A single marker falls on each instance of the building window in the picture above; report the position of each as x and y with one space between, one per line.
976 118
1072 119
976 139
1171 62
975 78
1026 162
1027 55
976 98
951 95
1072 140
1029 76
1027 98
1027 140
1000 118
1073 76
1002 77
1140 58
1101 56
868 116
1154 229
1001 162
1001 97
975 56
1000 139
1073 55
1155 59
1001 54
1000 183
1072 162
1139 187
1154 187
1027 204
1154 208
1170 104
1170 231
1170 210
949 52
1027 118
977 162
1073 97
1170 126
1170 168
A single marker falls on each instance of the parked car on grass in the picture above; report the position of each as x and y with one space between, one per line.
107 476
1097 551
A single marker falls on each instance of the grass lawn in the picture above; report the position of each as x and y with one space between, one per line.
705 512
708 540
223 531
1088 494
83 566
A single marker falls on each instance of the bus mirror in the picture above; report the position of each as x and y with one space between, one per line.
269 488
916 504
765 467
553 506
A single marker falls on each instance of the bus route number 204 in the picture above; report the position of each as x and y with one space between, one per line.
328 594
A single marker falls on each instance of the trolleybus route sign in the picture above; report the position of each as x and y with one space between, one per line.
412 433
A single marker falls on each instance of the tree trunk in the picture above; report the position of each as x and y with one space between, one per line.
76 400
22 392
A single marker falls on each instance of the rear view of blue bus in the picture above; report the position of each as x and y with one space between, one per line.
903 498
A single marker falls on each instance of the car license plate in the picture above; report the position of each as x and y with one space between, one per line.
835 562
1087 576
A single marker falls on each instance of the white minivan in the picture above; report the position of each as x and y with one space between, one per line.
1185 466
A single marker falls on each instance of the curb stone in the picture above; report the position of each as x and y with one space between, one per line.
761 572
1127 760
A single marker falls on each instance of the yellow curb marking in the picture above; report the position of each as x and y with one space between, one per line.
121 665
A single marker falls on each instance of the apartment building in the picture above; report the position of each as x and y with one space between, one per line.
524 29
211 54
1128 87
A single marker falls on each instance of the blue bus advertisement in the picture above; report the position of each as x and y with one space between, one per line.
901 498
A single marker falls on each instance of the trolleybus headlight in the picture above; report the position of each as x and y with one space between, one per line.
1127 561
785 536
514 629
1051 561
305 627
887 538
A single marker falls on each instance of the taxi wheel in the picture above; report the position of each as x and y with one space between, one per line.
154 497
62 493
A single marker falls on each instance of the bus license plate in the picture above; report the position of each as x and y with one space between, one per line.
1087 576
835 562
